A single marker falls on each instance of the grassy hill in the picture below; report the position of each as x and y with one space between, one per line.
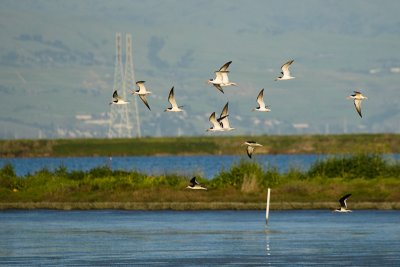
57 61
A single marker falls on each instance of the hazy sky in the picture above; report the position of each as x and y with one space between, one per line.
57 63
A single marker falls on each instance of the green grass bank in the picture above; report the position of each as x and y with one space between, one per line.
293 144
373 181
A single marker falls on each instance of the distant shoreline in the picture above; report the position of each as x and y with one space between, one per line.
189 206
202 145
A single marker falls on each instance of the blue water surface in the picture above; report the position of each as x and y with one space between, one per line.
207 166
199 238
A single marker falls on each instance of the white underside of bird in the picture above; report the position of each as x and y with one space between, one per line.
285 72
357 97
221 78
174 106
261 104
223 119
216 126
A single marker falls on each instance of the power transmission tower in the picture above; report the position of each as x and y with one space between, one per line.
119 114
129 83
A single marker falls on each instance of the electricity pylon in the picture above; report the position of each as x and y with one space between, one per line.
120 125
129 83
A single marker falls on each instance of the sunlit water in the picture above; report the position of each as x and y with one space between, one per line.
199 238
208 166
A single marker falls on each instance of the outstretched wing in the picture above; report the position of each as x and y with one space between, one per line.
218 87
213 121
171 98
225 66
224 112
250 150
143 97
115 94
142 88
342 201
357 104
260 98
193 181
285 68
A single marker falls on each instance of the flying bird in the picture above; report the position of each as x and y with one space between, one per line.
251 145
117 100
171 99
142 92
216 125
343 205
223 119
221 78
261 104
194 185
358 97
285 72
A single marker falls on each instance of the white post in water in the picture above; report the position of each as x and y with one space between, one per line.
267 208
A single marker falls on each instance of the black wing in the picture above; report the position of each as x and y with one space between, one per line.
225 66
115 94
193 181
342 201
219 87
143 97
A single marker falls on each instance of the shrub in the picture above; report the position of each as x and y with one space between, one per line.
366 166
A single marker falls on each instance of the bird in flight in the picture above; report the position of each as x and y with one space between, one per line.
223 119
285 72
216 125
117 100
171 99
251 145
261 104
221 78
194 185
358 97
142 92
343 205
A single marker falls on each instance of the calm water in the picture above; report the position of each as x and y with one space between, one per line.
187 165
208 166
200 238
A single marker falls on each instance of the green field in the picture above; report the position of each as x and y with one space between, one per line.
292 144
374 182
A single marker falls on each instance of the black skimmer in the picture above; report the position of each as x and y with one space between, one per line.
142 92
117 100
261 104
343 205
221 78
194 185
223 119
251 145
171 99
285 72
358 97
216 125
